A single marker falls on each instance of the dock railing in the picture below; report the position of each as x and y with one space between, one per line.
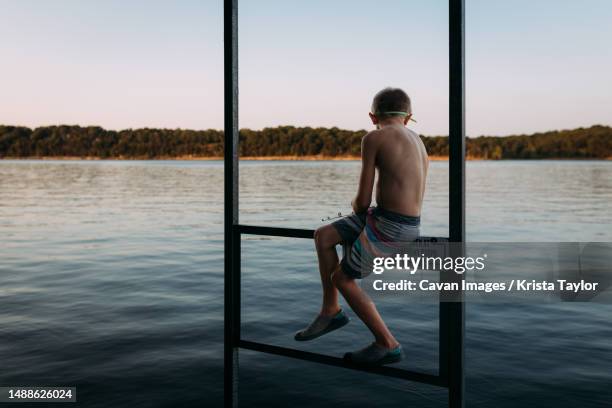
452 314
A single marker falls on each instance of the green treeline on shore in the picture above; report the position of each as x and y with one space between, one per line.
95 142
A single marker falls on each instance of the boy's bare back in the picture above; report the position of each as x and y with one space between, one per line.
401 160
396 153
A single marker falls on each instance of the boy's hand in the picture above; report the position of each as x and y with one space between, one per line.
357 209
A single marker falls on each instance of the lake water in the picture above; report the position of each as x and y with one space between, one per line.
112 281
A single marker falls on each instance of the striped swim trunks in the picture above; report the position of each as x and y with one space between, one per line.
376 232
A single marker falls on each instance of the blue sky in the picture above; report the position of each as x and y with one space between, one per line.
530 65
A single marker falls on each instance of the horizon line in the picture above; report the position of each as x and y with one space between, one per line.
595 125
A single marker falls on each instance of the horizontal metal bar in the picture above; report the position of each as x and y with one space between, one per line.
338 362
276 232
303 233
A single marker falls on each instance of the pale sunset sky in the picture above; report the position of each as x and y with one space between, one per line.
530 65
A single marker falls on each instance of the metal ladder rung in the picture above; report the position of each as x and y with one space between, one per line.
339 362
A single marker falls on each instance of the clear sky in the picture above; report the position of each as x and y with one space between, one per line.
530 65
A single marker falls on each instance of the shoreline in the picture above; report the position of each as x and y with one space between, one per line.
270 158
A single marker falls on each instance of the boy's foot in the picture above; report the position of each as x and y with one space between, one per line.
376 355
322 325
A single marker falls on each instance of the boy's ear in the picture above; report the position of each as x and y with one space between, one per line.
373 118
407 118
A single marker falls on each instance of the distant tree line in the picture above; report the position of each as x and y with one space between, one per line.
75 141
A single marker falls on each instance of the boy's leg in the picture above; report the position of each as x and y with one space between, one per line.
363 307
331 316
326 239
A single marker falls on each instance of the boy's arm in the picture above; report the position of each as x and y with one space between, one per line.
362 200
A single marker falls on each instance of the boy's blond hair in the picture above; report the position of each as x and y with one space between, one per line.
391 102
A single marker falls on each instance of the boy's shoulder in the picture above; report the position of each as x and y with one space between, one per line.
373 135
381 135
371 140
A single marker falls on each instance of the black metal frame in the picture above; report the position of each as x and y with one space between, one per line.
452 321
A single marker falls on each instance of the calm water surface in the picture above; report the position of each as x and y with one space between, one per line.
112 281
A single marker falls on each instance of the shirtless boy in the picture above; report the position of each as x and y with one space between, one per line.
400 158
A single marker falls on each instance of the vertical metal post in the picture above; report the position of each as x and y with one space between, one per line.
232 238
452 323
452 314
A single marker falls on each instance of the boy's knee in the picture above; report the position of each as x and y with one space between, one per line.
322 238
317 238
